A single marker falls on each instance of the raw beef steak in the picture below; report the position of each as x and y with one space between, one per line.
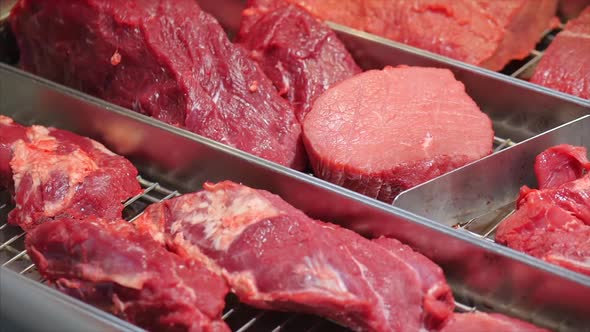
111 265
482 322
565 66
56 172
553 222
275 257
10 132
300 54
384 131
164 58
487 33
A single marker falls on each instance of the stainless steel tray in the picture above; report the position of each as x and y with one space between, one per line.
484 275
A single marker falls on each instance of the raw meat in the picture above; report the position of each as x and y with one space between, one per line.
565 66
300 54
111 265
56 172
10 132
553 223
438 299
487 33
165 58
384 131
482 322
275 257
569 9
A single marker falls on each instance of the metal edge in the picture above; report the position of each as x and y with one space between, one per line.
310 180
31 306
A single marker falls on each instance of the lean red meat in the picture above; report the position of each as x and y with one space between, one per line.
384 131
565 66
275 257
111 265
553 222
484 32
167 59
58 173
482 322
300 54
569 9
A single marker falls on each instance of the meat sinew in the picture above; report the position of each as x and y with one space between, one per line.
487 33
384 131
565 66
275 257
300 54
55 172
111 265
164 58
553 222
482 322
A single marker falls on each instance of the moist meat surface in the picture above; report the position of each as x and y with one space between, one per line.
275 257
300 54
553 222
482 322
565 66
111 265
384 131
57 173
487 33
167 59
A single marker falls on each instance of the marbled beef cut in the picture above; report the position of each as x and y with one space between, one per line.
300 54
482 322
164 58
488 33
565 66
553 222
111 265
275 257
384 131
54 173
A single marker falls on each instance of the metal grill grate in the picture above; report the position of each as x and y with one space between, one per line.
238 316
523 69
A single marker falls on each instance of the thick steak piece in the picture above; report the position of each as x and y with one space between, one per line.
165 58
487 33
275 257
300 54
482 322
384 131
565 66
111 265
58 173
553 222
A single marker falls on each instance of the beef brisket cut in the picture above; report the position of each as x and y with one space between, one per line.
565 66
487 33
111 265
275 257
482 322
165 58
55 172
300 54
553 222
384 131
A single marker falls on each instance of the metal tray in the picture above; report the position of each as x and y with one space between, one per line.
484 275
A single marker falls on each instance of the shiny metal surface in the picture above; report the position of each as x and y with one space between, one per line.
482 273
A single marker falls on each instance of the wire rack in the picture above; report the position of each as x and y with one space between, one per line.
239 317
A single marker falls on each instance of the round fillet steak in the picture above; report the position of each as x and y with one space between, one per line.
384 131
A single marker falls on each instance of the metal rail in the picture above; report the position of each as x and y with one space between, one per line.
240 318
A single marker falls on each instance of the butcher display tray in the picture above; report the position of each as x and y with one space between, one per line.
483 275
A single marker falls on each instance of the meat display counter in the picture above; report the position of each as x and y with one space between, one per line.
485 276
